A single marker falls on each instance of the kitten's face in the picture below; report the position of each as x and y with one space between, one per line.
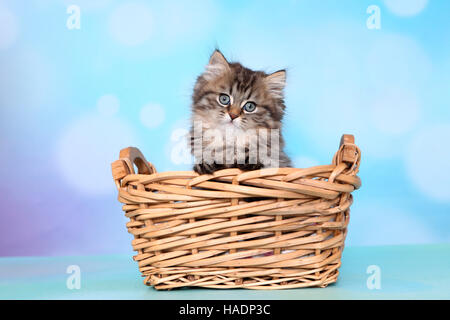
230 96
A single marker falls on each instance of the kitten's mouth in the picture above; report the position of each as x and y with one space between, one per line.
231 123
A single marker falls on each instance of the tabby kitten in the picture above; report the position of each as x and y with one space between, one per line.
236 118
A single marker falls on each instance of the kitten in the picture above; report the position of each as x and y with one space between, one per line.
236 118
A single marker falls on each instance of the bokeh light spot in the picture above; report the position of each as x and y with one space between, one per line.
86 150
395 112
406 8
428 162
152 115
9 28
131 24
108 105
398 61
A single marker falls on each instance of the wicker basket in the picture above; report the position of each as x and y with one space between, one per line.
264 229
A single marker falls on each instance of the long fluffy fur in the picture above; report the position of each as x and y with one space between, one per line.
242 85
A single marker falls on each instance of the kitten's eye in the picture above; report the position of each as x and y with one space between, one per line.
250 107
224 99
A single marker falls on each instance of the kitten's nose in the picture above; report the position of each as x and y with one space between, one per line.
233 115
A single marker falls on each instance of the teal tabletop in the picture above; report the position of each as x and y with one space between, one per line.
384 272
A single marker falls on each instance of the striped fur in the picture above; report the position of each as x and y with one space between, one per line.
241 85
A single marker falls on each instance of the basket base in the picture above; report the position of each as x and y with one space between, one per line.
246 278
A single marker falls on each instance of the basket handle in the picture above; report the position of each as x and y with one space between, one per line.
134 155
124 166
348 153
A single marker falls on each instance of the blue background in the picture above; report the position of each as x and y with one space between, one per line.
70 99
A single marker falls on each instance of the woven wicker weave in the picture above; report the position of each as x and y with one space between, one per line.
264 229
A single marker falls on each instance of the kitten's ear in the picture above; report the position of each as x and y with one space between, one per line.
217 65
276 82
218 58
